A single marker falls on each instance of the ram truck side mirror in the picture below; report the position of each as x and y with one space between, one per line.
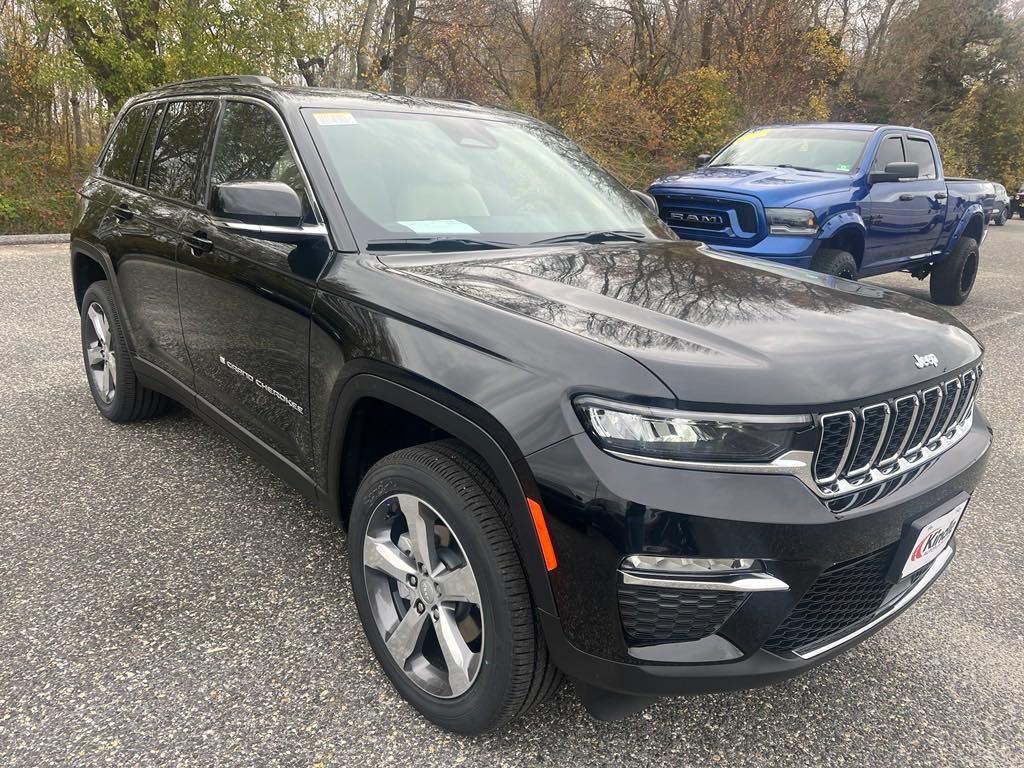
703 160
895 172
647 200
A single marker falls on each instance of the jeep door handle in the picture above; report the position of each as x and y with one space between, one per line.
906 197
199 243
123 213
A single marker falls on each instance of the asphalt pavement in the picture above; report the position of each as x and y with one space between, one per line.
165 600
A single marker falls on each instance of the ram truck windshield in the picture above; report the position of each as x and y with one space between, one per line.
835 151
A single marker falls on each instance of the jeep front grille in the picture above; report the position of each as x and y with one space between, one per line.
878 439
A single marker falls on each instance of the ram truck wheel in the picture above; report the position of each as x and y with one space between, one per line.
830 261
441 592
115 389
953 278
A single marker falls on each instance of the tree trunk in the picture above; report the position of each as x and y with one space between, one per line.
404 13
76 118
363 46
707 31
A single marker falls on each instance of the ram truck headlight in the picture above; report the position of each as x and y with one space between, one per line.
791 221
654 433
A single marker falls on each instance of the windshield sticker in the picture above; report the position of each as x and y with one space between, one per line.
442 226
752 135
334 118
843 167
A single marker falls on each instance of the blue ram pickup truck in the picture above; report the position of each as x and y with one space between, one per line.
845 199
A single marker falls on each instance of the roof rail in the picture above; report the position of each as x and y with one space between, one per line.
227 79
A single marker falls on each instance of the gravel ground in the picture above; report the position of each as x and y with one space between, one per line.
164 600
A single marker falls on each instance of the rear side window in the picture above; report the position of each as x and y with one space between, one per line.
119 162
920 151
179 149
142 169
251 146
890 151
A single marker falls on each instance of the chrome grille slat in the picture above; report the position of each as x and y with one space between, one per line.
905 416
931 399
966 398
837 433
951 397
886 444
874 424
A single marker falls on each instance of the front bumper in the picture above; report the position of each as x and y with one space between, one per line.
602 509
791 250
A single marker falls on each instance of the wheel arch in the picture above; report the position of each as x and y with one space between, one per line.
433 415
845 232
87 267
971 224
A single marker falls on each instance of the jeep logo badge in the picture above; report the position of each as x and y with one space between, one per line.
924 361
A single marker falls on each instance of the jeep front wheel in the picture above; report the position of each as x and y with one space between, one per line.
441 592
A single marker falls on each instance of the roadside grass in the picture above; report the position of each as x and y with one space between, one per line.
37 186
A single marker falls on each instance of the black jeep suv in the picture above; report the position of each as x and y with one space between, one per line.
561 441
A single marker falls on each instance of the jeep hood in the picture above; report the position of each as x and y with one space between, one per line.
780 184
715 329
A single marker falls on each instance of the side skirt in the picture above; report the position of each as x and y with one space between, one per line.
158 379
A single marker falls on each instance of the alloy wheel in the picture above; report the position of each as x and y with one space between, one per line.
101 359
423 595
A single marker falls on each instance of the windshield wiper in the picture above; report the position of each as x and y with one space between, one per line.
435 244
594 237
799 168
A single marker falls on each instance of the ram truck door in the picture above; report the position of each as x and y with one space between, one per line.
246 300
903 219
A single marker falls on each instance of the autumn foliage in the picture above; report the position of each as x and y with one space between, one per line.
644 85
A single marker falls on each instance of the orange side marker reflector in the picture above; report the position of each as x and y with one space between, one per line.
541 527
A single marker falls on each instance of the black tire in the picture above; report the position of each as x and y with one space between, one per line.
953 277
128 400
1002 217
516 672
830 261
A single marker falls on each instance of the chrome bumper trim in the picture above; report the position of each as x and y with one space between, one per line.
746 582
909 596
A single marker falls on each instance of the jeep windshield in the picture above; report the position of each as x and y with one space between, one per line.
445 182
827 150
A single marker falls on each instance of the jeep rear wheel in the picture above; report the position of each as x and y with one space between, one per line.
441 592
953 277
115 389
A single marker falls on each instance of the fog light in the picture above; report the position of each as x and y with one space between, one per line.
690 564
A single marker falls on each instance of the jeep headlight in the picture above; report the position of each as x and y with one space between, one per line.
630 430
791 221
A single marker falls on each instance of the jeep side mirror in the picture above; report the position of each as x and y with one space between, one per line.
895 172
647 200
270 203
703 160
